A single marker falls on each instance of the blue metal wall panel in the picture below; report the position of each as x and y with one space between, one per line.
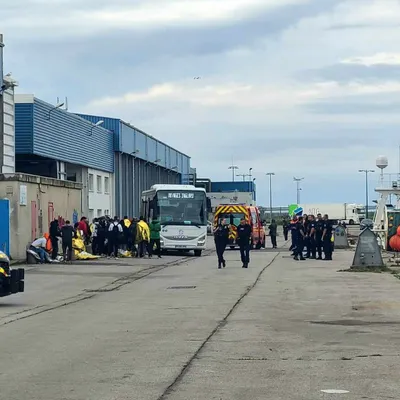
127 140
174 159
151 149
5 226
23 128
161 153
112 124
141 145
66 137
130 139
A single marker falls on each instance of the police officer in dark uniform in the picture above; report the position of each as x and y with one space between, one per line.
221 238
300 236
319 228
306 238
311 244
293 232
244 239
286 226
327 238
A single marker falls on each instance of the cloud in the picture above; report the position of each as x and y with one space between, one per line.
376 59
95 17
298 87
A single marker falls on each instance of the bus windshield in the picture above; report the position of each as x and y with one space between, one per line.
181 207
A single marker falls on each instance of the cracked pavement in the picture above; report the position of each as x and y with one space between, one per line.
185 330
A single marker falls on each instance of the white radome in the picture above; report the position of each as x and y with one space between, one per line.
382 162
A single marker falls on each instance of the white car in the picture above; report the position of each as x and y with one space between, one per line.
209 228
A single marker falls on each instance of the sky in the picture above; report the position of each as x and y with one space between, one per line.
300 88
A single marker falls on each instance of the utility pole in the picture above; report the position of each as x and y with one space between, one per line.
298 188
270 174
2 90
366 172
233 168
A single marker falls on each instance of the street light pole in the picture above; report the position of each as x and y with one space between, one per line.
270 174
233 168
298 180
250 174
366 172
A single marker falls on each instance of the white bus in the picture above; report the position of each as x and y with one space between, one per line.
182 212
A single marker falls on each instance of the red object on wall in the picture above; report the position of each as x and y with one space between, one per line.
34 220
50 211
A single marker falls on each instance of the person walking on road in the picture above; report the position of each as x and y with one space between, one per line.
273 228
155 229
244 238
221 238
67 234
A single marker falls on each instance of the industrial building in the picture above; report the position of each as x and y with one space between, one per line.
140 162
52 142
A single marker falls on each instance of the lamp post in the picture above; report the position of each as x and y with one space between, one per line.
233 168
298 188
366 172
250 174
98 123
270 174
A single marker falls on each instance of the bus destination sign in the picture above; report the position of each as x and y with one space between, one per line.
182 195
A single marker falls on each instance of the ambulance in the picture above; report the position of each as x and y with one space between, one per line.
233 213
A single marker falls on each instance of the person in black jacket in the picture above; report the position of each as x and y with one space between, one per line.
67 234
300 236
244 232
54 235
221 238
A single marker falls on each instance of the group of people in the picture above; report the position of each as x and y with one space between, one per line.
106 235
244 237
311 234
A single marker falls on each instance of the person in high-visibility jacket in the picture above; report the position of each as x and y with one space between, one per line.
143 236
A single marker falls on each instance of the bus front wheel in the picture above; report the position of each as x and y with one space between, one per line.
197 253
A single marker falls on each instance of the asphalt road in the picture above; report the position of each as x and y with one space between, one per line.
181 329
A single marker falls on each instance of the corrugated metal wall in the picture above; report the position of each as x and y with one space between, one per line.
63 136
132 176
24 128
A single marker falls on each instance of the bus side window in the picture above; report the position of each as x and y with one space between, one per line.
151 212
144 208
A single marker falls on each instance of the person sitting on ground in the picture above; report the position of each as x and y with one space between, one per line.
39 247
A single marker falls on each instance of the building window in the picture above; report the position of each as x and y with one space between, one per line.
91 215
106 185
99 184
91 183
99 213
107 212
